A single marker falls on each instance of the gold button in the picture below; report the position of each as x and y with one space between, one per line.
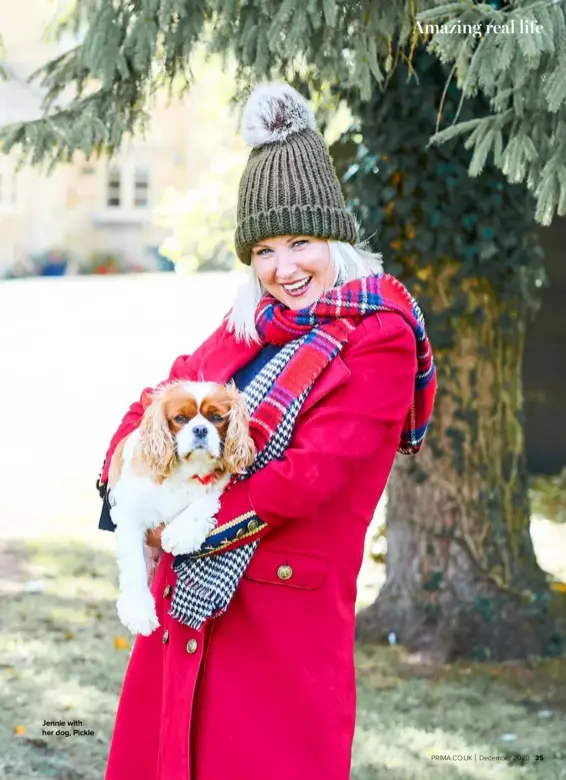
284 572
165 637
192 646
253 525
239 533
167 592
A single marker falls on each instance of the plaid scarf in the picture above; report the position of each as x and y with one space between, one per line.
311 338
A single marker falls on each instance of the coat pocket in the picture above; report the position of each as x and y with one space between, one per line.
290 569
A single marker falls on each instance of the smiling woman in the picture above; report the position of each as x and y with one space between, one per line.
333 359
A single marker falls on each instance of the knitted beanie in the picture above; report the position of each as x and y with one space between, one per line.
289 186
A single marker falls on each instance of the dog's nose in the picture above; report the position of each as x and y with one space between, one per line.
200 432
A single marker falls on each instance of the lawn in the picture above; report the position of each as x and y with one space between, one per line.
63 656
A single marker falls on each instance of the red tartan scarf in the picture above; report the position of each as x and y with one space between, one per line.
327 323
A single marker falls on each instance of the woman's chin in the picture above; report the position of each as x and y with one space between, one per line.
294 306
300 302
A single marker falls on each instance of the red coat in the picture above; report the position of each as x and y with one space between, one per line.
267 691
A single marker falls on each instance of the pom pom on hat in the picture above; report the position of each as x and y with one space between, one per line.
274 112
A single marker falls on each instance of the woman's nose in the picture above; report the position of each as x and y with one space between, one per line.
286 266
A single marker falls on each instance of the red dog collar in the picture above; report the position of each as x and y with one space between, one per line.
208 479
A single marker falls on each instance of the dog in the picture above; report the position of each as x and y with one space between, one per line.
173 469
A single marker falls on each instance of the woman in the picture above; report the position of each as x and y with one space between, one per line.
253 677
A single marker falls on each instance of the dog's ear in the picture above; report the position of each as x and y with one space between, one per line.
239 448
156 446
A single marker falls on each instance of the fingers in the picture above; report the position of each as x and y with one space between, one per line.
153 537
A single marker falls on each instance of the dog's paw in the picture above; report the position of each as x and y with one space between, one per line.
207 508
137 612
182 538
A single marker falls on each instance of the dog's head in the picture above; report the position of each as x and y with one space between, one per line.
202 423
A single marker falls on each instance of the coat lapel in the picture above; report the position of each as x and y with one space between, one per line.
334 375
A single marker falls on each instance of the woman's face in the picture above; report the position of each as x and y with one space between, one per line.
294 269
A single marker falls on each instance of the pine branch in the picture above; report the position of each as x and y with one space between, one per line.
134 47
56 137
523 72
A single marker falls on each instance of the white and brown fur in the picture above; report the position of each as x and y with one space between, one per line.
189 430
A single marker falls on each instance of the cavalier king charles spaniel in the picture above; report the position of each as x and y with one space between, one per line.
172 469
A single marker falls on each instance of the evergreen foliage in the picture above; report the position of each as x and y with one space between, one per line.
426 213
101 89
420 203
521 69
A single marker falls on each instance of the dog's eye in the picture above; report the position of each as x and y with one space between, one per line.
216 418
180 419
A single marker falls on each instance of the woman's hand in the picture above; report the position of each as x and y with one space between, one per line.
153 537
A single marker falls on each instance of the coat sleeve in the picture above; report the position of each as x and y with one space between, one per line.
184 367
346 428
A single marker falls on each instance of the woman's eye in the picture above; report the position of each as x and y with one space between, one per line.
260 252
180 419
300 242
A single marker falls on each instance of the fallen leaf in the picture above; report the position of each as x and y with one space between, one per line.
559 587
121 643
20 729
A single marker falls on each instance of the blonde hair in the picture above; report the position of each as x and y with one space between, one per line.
349 262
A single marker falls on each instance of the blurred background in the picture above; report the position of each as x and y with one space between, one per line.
111 265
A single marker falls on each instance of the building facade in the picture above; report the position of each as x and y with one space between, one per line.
92 206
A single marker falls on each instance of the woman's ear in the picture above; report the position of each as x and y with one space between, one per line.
156 446
239 448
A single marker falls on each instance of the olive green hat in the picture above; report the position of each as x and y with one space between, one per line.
289 186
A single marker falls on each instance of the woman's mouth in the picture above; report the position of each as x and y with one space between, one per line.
295 289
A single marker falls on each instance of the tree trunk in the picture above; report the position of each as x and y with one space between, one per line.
462 577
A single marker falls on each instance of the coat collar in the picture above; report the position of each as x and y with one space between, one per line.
228 356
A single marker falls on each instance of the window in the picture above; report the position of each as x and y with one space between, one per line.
127 188
141 188
114 185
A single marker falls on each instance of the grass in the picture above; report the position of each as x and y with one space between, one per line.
408 714
59 662
63 655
